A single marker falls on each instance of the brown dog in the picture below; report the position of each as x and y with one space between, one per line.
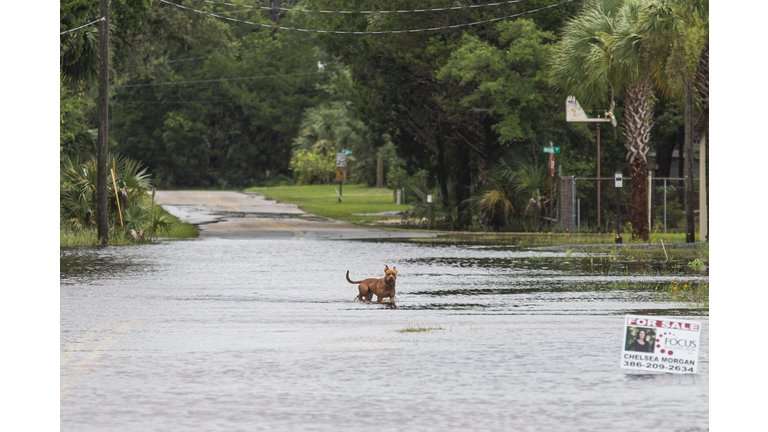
384 287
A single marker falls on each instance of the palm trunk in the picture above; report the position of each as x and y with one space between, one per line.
690 226
702 85
639 188
638 120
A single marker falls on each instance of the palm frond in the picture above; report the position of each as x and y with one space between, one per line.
79 60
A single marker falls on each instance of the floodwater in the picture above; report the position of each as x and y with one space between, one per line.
220 334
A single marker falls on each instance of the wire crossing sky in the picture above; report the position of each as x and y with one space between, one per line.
365 12
364 32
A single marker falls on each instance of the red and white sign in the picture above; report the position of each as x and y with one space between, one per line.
551 164
660 345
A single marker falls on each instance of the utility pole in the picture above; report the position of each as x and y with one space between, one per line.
597 126
102 225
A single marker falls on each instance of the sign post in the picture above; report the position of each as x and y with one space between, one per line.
661 345
618 180
341 169
429 211
551 191
575 113
551 150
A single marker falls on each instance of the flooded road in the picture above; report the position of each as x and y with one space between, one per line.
260 333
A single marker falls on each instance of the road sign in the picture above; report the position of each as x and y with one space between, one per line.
618 179
552 164
341 160
551 149
347 152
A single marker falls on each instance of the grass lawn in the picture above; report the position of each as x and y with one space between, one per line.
322 200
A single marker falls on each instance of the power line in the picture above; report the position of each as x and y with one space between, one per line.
201 101
168 102
86 25
238 52
239 11
219 79
366 32
363 12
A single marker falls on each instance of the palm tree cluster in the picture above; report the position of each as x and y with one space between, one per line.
634 48
136 215
514 189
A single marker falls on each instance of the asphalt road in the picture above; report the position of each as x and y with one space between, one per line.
229 214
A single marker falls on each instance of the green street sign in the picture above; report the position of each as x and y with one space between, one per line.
551 149
348 152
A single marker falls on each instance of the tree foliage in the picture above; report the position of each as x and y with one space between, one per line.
205 102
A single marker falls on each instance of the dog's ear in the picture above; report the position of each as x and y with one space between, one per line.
395 269
386 267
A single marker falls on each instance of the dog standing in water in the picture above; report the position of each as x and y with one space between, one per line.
384 287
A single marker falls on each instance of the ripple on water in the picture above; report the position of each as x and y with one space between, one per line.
263 334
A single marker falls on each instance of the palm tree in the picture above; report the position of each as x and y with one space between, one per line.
530 185
79 56
679 29
493 198
78 191
332 122
602 50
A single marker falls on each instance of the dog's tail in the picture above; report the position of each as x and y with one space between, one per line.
350 280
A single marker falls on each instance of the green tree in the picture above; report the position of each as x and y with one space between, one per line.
507 79
424 115
315 165
233 115
602 50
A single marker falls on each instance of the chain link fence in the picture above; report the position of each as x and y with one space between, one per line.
577 205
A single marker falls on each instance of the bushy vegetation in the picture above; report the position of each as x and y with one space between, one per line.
132 214
315 165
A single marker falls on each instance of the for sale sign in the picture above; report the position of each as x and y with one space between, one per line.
662 345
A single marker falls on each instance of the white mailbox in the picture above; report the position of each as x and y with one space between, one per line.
619 179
